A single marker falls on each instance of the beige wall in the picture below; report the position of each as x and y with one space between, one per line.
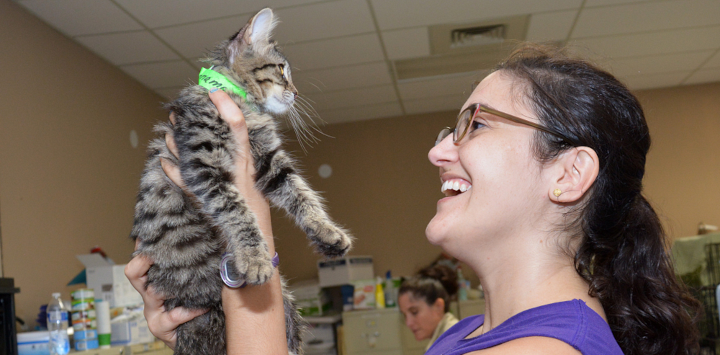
384 189
68 174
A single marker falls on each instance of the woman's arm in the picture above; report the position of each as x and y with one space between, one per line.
254 315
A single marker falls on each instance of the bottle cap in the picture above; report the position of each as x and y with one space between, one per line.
55 294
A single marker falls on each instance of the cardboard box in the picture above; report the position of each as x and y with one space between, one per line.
364 294
343 271
33 343
109 281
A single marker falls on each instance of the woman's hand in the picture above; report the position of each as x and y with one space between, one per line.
161 323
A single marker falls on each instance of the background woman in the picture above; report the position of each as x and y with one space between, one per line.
424 301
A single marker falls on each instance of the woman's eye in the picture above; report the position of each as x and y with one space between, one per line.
475 125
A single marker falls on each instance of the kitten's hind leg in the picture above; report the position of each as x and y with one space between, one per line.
285 188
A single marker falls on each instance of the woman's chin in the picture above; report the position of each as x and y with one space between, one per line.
434 232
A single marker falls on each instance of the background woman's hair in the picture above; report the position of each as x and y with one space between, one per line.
431 283
622 247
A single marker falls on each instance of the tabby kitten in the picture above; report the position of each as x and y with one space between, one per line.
186 237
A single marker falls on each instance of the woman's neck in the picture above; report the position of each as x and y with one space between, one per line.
525 276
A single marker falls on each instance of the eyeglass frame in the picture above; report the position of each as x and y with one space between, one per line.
475 108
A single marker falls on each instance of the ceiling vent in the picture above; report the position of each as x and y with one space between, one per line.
464 48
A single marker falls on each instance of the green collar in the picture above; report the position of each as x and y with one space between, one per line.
211 79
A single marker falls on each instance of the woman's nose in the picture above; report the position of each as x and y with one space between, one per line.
443 153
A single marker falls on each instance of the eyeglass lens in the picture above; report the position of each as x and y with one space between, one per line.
443 133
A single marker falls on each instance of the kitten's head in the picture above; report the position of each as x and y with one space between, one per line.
251 59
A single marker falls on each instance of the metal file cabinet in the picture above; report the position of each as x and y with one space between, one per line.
379 332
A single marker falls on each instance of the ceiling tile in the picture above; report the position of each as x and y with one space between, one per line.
328 19
353 97
81 17
160 13
335 52
128 47
435 104
647 16
704 76
407 43
694 39
361 113
595 3
460 85
658 64
714 62
313 81
552 26
162 75
393 14
194 40
652 81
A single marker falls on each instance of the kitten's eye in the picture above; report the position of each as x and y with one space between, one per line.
282 70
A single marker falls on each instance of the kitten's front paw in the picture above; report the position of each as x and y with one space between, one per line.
332 241
255 266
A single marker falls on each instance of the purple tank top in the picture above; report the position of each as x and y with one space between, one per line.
572 322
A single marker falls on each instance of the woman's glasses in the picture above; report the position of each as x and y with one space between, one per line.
465 118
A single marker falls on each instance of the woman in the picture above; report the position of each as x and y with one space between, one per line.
543 178
424 301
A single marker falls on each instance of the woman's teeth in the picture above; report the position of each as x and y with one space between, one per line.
455 186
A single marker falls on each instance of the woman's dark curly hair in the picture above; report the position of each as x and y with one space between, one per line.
431 283
622 245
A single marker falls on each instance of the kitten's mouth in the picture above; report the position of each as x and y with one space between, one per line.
454 187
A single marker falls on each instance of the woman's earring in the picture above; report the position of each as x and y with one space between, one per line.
557 193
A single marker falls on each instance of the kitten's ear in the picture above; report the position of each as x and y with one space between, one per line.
259 29
255 34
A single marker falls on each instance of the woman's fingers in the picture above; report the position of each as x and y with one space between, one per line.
172 118
231 114
170 143
173 172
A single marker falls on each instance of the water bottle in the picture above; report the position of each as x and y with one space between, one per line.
57 324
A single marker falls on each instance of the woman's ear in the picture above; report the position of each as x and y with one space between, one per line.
439 306
575 173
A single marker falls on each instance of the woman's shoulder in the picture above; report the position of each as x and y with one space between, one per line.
563 328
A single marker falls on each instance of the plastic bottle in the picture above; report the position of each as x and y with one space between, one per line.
379 294
57 324
462 290
389 290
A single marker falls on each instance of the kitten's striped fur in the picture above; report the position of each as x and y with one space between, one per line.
185 238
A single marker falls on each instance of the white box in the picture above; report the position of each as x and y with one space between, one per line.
109 281
130 329
344 271
310 299
33 343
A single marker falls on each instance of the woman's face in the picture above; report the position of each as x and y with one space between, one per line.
420 317
496 162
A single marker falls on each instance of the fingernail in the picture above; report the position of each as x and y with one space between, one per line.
213 90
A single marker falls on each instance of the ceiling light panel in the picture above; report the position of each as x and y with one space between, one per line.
327 19
81 17
411 13
647 16
128 47
341 78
